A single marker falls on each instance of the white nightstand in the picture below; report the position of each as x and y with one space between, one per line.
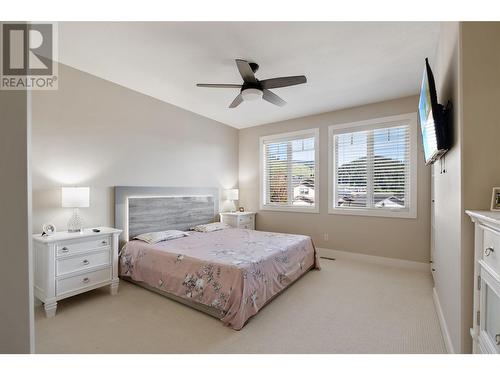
66 264
485 329
242 220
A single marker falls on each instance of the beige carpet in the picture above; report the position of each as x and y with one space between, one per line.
347 307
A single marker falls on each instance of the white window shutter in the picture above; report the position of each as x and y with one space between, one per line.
372 168
289 170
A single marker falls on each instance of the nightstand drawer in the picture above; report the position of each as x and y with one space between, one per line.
241 220
75 247
246 219
491 249
85 280
68 265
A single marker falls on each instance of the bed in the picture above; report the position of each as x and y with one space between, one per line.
230 274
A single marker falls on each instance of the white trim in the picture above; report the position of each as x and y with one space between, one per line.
29 197
442 323
302 209
411 212
170 196
288 136
376 212
400 263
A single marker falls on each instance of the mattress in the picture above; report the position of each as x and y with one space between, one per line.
232 272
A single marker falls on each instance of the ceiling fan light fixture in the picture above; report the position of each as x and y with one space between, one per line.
251 94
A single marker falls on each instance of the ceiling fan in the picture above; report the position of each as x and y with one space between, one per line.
253 89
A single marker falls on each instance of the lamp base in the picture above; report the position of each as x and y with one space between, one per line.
75 222
231 206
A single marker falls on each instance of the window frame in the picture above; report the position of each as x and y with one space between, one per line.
409 119
307 133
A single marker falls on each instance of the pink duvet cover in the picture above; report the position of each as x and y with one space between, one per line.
235 270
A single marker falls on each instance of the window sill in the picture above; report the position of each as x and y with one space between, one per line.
376 213
313 210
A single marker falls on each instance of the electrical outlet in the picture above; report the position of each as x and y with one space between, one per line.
325 236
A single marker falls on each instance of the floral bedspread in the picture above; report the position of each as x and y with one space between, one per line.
235 271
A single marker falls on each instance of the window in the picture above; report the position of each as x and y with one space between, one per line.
372 167
289 171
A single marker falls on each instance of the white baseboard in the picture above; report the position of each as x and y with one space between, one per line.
442 323
419 266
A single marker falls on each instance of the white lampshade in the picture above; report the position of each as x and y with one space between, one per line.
75 197
232 194
251 94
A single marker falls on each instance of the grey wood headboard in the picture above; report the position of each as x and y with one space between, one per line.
141 209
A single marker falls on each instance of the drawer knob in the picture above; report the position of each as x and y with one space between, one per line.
85 262
497 338
86 280
104 242
488 251
64 249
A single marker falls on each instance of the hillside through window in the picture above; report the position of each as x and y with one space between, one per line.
372 168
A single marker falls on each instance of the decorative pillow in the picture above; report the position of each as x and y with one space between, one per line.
212 227
155 237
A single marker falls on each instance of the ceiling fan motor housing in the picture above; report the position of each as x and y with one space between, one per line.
251 85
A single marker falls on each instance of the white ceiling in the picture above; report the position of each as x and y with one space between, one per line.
346 63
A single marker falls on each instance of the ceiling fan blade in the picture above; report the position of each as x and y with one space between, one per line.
219 85
271 97
274 83
245 71
237 101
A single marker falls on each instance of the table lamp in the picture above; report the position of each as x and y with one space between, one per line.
232 195
75 197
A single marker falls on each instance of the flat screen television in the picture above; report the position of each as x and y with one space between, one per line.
433 119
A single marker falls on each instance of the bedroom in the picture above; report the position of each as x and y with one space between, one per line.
334 230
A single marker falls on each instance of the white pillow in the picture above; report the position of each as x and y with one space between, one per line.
212 227
155 237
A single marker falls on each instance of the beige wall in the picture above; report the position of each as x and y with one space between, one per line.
480 142
467 73
16 309
407 239
481 112
447 186
92 132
